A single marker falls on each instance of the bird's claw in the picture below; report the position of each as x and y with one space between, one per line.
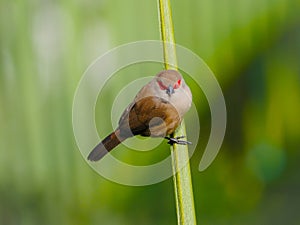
176 140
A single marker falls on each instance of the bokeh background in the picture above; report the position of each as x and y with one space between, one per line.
253 47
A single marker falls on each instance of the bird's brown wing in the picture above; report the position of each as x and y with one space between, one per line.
150 116
143 92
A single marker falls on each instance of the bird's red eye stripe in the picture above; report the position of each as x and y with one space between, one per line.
161 85
177 84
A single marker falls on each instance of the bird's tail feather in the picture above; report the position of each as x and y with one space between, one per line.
108 143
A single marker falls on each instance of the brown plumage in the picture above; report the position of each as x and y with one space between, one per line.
156 111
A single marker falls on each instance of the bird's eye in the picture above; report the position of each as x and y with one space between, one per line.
161 85
177 84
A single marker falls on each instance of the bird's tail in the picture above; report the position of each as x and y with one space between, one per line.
108 143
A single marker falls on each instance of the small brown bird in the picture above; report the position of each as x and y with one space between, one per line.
156 111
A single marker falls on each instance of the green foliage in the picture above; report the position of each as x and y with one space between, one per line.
183 187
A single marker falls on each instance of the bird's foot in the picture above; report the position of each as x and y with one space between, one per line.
176 140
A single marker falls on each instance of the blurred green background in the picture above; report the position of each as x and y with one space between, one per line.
253 47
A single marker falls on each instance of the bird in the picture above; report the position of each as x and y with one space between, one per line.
156 111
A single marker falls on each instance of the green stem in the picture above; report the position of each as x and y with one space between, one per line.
180 156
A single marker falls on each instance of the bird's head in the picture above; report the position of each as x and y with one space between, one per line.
169 81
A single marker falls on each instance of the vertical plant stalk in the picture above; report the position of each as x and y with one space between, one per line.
180 156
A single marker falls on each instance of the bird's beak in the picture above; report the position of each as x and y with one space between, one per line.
170 90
